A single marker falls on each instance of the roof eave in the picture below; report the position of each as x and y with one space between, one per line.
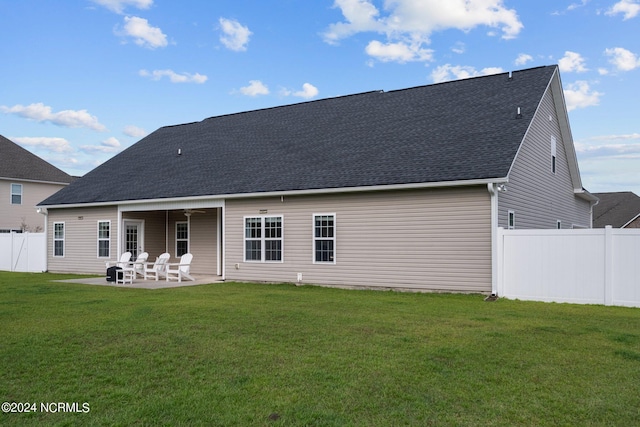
391 187
37 181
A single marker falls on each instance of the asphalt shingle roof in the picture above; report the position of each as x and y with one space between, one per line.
18 163
460 130
615 209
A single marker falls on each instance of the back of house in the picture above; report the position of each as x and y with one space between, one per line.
401 189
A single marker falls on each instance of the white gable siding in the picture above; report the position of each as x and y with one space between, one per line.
417 239
538 196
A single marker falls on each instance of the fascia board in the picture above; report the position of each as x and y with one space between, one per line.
217 199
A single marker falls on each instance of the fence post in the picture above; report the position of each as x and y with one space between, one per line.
500 261
608 265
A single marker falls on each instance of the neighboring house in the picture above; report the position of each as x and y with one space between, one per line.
619 210
399 189
25 180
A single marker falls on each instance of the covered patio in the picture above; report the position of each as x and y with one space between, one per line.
174 227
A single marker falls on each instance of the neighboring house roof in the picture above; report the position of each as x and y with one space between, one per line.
20 164
460 131
616 209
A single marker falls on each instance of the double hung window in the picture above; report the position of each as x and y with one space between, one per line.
324 238
58 239
16 194
104 239
182 238
263 238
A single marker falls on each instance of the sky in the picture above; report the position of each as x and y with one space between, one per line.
82 80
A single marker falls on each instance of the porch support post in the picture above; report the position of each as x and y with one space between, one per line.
119 228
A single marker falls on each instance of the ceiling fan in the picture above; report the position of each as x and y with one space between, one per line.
188 212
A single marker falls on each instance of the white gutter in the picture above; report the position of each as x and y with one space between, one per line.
215 199
37 181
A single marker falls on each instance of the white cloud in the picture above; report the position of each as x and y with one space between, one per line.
455 72
523 58
629 8
572 61
118 6
308 91
610 146
580 95
68 118
144 34
109 145
173 76
255 88
408 24
399 52
134 131
458 48
610 161
623 59
574 6
56 145
236 36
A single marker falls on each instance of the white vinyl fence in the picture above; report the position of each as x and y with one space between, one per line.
592 266
25 252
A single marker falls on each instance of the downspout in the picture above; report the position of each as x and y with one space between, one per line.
592 205
45 212
493 192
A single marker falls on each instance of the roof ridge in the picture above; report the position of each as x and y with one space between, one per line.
470 78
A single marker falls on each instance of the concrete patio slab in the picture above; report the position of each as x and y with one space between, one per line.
146 284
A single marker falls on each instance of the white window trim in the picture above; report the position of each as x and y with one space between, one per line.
103 239
511 214
64 236
313 233
262 239
21 194
188 239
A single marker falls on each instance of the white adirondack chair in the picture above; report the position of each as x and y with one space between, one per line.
180 270
139 264
158 268
125 272
122 262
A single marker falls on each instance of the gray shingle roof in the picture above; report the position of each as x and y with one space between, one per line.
460 130
18 163
615 209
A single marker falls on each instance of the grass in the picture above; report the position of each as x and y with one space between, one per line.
238 354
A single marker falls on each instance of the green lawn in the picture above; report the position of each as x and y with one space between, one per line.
261 355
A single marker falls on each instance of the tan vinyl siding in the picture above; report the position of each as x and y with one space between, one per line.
203 237
154 231
419 239
539 197
160 237
81 239
13 216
